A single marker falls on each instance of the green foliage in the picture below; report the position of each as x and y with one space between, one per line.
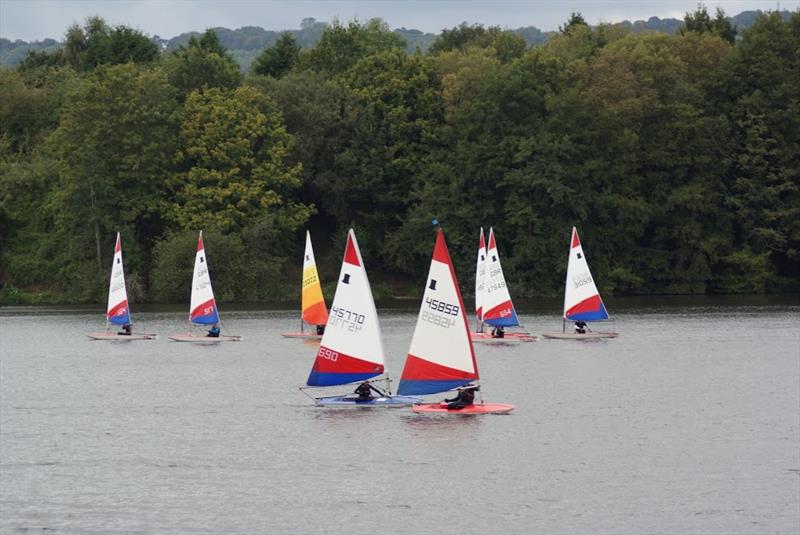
575 21
507 45
242 266
279 59
202 63
95 44
233 151
115 143
701 22
676 156
340 46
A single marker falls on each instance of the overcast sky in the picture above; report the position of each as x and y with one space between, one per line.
37 19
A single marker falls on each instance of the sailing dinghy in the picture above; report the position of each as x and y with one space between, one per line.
351 350
312 304
441 356
582 301
117 312
494 306
203 309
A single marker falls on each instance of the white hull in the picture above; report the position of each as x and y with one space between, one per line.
202 339
306 335
577 336
509 337
121 337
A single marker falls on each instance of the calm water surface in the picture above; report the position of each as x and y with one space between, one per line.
688 423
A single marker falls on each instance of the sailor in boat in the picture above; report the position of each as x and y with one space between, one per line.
213 332
320 330
498 332
126 330
581 327
365 390
464 398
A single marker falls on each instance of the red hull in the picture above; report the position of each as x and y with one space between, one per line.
487 408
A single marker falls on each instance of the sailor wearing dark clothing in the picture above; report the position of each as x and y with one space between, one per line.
580 327
320 330
498 332
465 397
364 391
213 332
126 330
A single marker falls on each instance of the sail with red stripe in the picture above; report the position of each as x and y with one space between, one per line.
117 311
480 277
351 349
582 301
498 310
441 356
203 308
312 302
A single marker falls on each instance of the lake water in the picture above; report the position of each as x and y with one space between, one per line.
687 423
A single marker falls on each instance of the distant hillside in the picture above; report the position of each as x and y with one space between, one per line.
247 42
13 52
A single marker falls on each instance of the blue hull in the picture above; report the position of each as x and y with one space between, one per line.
350 401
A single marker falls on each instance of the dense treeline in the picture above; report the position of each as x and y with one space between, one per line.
676 156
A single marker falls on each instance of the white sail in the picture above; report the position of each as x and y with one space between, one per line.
582 301
480 277
117 311
498 310
203 308
441 355
351 349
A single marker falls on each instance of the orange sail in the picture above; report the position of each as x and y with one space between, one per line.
313 304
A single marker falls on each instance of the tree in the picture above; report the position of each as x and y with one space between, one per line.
576 20
202 63
700 22
278 60
233 159
115 143
506 44
340 46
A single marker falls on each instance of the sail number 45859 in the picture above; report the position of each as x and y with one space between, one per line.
441 306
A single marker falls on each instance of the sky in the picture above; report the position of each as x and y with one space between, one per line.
31 20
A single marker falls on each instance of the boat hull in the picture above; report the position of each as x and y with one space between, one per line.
486 408
200 339
306 335
349 401
577 336
509 337
121 337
